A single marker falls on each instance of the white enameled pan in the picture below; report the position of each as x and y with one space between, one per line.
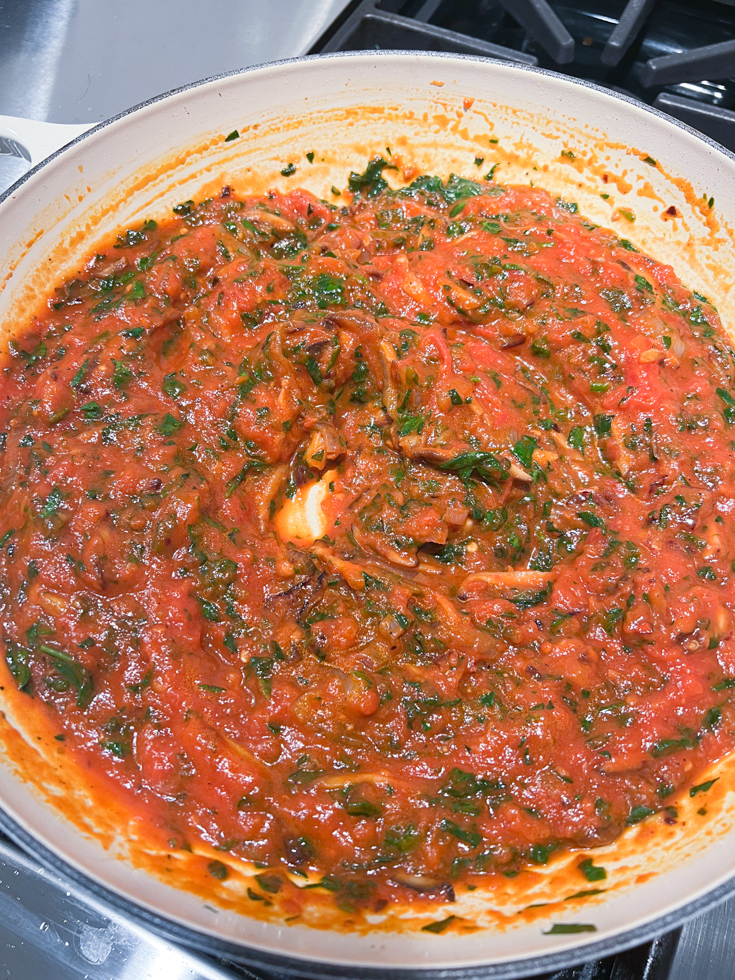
437 112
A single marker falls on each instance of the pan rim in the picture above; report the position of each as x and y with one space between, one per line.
205 941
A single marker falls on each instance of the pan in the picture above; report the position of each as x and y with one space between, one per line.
674 192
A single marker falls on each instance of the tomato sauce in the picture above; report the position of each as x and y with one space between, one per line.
381 545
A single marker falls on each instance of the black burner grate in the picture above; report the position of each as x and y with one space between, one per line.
673 54
651 961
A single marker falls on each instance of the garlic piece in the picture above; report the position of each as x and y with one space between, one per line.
301 520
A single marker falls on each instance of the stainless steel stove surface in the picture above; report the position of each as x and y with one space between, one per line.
81 61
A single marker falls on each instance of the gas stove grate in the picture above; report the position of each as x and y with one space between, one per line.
672 54
651 961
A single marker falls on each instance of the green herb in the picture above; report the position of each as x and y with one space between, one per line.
74 672
218 870
471 837
169 425
138 290
77 379
91 411
209 610
568 928
524 450
131 238
249 226
233 136
269 882
30 357
315 373
409 424
485 464
254 466
362 808
172 386
440 926
457 228
461 785
592 520
576 438
586 893
591 871
302 777
712 719
450 192
724 684
326 290
289 169
667 746
310 156
404 839
540 347
525 600
52 503
122 375
371 182
17 660
703 787
638 813
263 667
540 853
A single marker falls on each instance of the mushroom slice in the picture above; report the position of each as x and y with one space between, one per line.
506 585
424 885
518 473
276 222
383 547
324 445
390 395
354 320
350 572
340 780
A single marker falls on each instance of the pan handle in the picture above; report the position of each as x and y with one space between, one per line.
31 141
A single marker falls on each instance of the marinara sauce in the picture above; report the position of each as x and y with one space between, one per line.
384 544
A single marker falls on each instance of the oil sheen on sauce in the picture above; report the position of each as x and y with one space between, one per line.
384 544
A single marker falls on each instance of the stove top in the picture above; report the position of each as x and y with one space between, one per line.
77 61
